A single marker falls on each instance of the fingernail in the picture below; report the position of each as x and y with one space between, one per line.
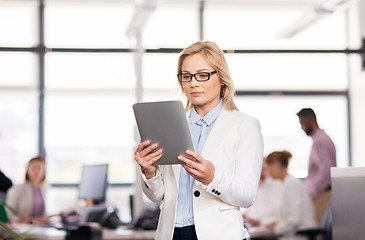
179 157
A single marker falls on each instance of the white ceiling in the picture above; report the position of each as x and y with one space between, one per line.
260 2
298 3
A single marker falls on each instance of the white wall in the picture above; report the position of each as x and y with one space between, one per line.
357 86
357 92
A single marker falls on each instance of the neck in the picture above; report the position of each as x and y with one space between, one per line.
283 174
203 110
35 183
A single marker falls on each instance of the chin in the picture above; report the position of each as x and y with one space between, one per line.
197 102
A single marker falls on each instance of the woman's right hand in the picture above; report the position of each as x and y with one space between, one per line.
145 158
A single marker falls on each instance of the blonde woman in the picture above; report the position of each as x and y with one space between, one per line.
202 196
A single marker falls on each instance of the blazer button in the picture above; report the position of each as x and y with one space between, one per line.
196 193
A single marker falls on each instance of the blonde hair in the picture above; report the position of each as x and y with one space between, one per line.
215 58
282 157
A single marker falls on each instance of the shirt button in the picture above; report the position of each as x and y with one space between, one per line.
202 120
196 193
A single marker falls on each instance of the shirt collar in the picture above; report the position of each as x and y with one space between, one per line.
209 118
316 132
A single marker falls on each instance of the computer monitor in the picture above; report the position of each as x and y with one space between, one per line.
93 184
348 198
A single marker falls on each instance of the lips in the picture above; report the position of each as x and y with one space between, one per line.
196 94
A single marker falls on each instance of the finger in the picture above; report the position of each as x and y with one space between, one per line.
193 154
193 172
155 159
186 160
154 154
150 159
142 145
149 149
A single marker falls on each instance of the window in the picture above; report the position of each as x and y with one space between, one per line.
18 23
87 24
18 69
281 129
18 131
288 71
172 25
89 71
88 129
90 79
259 27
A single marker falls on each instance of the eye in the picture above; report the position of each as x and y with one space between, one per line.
203 75
185 76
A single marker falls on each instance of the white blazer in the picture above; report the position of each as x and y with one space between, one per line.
20 197
235 147
296 210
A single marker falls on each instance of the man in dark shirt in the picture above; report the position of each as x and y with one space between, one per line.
5 182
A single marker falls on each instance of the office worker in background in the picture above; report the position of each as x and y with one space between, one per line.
321 159
5 182
265 210
28 199
296 209
202 196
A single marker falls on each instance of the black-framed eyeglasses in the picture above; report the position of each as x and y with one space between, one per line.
200 76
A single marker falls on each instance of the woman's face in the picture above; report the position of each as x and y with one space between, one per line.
203 95
274 170
36 171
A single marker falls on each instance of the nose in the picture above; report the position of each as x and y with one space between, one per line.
194 82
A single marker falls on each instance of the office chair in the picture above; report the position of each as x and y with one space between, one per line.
325 231
312 233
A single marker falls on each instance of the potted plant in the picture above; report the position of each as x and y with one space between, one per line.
9 233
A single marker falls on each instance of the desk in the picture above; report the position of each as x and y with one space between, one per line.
257 233
121 233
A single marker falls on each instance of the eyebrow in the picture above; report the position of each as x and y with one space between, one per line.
200 70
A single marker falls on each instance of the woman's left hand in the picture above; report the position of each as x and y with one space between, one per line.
199 168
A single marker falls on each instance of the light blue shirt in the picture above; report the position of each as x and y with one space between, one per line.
199 130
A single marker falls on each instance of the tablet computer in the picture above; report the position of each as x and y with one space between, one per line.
164 123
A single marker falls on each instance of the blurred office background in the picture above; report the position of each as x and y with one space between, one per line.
71 70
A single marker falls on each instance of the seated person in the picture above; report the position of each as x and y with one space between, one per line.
265 209
5 182
296 210
28 199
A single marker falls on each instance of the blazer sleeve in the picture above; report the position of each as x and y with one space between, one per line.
12 198
154 187
239 188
